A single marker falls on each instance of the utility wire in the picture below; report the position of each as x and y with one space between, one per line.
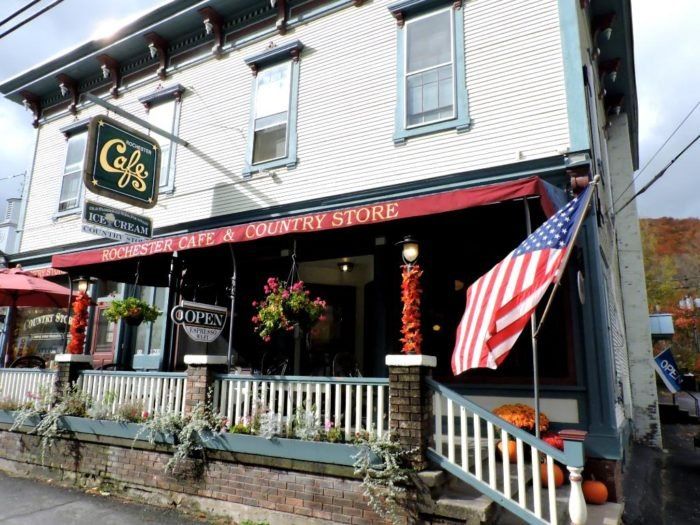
639 172
19 11
30 18
658 175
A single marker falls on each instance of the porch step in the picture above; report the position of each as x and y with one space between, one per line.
466 508
673 414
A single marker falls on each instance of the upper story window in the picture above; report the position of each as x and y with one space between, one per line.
272 136
164 112
71 181
431 85
271 121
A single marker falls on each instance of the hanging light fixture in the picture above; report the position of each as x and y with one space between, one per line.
346 266
409 249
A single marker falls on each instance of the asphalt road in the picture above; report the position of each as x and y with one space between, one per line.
24 501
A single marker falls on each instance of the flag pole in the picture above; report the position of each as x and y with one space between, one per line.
577 229
533 339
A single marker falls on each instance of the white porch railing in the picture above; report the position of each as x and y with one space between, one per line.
352 404
25 384
466 437
156 392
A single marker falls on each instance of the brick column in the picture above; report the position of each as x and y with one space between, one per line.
68 368
200 376
410 403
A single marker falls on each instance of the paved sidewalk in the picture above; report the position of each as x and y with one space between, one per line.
663 487
24 501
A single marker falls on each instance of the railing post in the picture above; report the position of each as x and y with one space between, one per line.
200 376
410 403
575 460
68 368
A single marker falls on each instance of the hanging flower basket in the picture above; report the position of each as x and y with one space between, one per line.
133 310
284 307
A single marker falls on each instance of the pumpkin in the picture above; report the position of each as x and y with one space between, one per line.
558 475
595 492
512 450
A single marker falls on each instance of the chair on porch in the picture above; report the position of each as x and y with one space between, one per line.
272 364
28 361
345 365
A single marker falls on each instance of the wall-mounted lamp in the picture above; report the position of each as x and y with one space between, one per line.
346 266
602 26
83 283
409 249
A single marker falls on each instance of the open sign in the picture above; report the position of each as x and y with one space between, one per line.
666 367
202 322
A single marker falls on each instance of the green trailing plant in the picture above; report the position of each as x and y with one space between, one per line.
241 428
131 307
384 465
72 402
189 433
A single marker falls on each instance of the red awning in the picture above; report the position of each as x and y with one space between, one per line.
327 220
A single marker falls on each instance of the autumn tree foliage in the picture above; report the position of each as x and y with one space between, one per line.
672 266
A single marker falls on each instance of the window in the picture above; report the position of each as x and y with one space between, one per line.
164 116
429 69
163 106
271 113
431 89
272 140
69 199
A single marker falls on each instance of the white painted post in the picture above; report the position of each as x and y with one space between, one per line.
578 513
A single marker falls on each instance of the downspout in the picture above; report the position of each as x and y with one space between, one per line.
25 196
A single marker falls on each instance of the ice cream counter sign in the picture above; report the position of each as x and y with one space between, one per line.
121 163
202 322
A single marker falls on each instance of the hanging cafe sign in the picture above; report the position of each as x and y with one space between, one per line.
121 163
115 224
202 322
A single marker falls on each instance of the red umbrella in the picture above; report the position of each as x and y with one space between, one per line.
20 288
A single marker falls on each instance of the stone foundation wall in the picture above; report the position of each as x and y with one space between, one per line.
242 491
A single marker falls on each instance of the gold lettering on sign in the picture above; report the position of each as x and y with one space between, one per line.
132 171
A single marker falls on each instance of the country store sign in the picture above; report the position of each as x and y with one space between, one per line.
121 163
116 224
202 322
314 222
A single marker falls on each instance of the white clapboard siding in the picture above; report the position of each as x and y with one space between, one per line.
347 93
350 404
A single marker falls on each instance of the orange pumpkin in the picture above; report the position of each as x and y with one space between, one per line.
512 450
558 475
595 492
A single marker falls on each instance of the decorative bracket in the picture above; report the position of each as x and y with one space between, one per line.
281 23
33 104
158 47
68 86
110 69
213 23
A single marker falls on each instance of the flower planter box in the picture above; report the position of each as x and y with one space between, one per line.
8 417
103 427
315 451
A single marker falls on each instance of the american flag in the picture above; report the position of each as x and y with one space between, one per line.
500 303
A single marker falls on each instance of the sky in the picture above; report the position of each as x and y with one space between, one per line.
666 40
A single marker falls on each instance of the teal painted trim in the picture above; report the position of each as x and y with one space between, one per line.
168 375
306 17
290 160
605 446
573 75
484 488
412 7
274 55
461 121
307 379
314 451
489 416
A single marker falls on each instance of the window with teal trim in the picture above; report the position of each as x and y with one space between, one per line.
272 136
431 83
